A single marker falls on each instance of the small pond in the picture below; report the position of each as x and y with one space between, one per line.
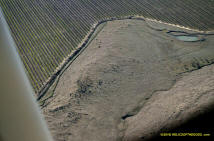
188 38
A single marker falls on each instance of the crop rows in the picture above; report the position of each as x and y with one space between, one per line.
48 31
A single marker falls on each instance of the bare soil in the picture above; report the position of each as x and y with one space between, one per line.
133 80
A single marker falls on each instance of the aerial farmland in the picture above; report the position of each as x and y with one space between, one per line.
48 32
111 70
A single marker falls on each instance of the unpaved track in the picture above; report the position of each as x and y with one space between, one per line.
116 75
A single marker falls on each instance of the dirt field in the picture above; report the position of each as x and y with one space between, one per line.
133 80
